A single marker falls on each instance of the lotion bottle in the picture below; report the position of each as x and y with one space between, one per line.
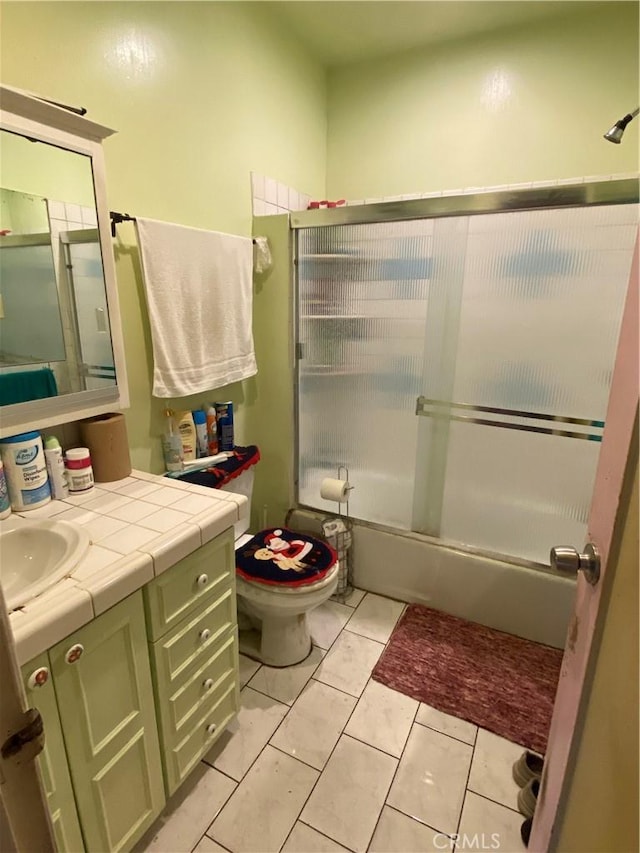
56 469
187 430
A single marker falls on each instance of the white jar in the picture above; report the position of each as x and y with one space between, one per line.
77 461
25 470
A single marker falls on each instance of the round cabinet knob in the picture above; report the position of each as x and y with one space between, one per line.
204 635
202 581
74 653
38 677
207 683
211 728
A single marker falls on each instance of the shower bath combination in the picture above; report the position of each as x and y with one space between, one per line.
615 133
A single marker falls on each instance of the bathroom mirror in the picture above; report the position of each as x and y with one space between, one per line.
61 353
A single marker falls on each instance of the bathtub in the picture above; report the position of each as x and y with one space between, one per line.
529 602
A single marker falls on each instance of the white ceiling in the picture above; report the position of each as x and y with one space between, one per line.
339 32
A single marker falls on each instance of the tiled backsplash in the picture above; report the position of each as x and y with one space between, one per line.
272 197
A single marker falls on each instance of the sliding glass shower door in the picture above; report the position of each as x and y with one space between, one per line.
460 367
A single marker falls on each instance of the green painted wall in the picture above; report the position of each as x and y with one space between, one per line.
519 105
271 414
200 94
45 170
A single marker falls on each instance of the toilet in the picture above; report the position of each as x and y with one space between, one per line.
272 614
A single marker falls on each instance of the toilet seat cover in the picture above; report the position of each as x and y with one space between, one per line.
281 557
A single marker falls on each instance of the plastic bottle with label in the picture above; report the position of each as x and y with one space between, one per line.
25 471
200 422
212 429
55 469
5 503
171 444
79 470
187 430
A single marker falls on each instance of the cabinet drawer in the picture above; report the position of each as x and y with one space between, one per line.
192 642
180 759
205 683
170 597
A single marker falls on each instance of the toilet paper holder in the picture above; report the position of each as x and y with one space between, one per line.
337 489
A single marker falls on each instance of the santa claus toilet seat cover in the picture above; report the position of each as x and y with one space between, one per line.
280 557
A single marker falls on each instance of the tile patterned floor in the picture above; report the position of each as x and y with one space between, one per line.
323 758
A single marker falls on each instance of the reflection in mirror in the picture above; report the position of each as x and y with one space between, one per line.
54 321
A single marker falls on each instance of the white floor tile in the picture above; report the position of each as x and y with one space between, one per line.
397 833
349 662
447 724
265 805
375 617
189 812
354 598
240 745
286 683
303 839
326 622
248 669
312 727
346 802
491 769
490 825
383 718
431 779
206 845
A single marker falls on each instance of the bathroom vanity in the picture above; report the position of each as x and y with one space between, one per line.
132 660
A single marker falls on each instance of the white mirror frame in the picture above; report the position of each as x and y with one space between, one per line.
24 113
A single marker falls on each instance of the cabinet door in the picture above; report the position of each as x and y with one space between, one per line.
38 685
105 699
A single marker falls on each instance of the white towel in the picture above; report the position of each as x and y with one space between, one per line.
199 296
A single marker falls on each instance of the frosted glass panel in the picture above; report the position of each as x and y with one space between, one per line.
92 315
502 330
31 327
541 308
362 313
516 493
542 304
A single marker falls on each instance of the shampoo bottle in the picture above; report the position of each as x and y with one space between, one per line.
212 430
200 421
187 430
55 469
171 444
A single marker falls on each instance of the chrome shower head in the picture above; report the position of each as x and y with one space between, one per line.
615 133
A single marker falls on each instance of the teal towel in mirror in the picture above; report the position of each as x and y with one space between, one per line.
25 385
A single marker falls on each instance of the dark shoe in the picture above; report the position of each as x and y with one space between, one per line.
527 767
525 831
528 797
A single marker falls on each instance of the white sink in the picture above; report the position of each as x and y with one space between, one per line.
36 554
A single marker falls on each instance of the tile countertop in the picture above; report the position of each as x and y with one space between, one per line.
139 527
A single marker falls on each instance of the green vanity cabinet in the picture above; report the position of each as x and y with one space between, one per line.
133 700
105 700
38 686
193 646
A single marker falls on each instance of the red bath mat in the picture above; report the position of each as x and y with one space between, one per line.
500 682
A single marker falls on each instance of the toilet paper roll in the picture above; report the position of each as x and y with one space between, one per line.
106 438
335 490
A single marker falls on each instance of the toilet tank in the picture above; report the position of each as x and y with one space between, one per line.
242 485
